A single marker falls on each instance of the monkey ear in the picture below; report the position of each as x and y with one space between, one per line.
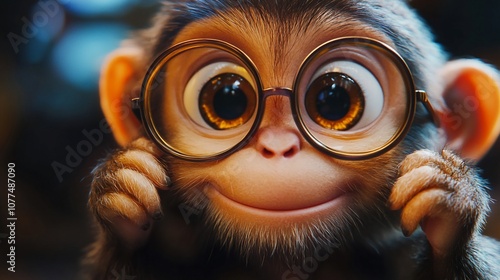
472 98
119 73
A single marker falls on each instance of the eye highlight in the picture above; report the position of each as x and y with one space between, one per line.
227 101
335 101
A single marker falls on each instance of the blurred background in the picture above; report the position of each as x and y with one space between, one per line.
50 56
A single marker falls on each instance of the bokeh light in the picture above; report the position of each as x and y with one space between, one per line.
99 7
49 25
78 56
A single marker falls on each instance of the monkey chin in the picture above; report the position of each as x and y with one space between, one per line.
287 234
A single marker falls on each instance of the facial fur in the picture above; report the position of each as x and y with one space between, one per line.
277 56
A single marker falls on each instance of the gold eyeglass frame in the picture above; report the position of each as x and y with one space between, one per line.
141 105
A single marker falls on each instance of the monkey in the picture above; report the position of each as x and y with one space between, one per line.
327 139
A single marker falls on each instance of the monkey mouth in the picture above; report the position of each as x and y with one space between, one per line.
273 217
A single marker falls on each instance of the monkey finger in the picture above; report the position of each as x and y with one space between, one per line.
147 146
125 218
146 164
418 159
142 189
113 206
426 203
453 160
410 184
446 161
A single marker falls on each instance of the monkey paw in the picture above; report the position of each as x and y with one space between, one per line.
123 193
442 194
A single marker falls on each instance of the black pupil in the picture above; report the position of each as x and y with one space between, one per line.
333 101
230 101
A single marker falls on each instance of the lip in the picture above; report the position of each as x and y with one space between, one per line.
272 218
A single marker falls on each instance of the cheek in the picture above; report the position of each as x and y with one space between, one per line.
376 176
310 181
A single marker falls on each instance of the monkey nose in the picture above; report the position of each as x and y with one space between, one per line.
277 142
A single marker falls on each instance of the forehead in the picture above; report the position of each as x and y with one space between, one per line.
277 46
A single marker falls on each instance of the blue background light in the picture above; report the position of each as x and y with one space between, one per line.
98 7
78 56
38 46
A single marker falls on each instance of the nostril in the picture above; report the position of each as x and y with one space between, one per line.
267 153
291 152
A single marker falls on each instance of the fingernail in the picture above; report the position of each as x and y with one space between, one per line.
406 232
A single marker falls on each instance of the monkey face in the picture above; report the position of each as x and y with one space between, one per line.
269 134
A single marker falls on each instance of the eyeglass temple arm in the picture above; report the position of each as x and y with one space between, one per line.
422 97
136 107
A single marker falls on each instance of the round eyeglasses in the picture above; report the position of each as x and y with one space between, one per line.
353 98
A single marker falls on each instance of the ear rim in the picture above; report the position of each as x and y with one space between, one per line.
118 75
470 133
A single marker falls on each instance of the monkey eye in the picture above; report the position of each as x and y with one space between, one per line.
335 101
344 95
220 96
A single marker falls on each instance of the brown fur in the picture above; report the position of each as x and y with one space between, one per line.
435 189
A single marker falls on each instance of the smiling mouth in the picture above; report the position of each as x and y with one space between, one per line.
273 218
